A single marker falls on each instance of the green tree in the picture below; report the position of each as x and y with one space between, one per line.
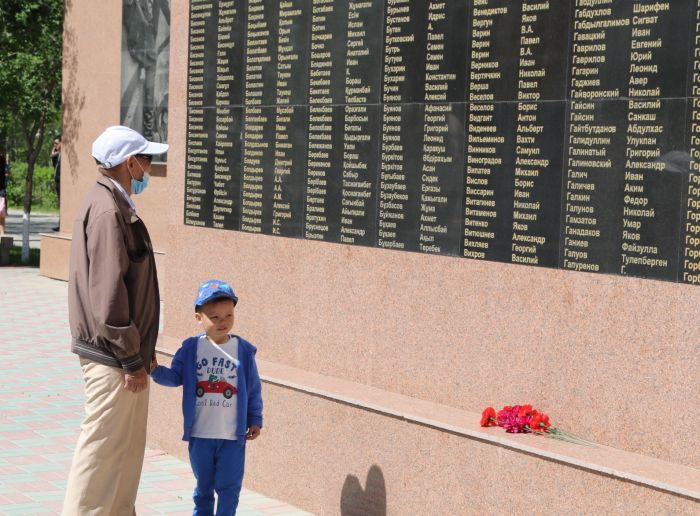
31 36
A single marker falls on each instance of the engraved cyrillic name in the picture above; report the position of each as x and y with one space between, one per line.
321 56
291 50
440 218
259 55
398 38
438 75
255 149
441 165
484 160
646 129
226 50
393 185
690 214
531 169
587 227
227 122
690 244
590 74
537 161
198 160
284 166
358 194
322 169
225 192
202 18
319 170
361 57
360 129
588 144
484 139
484 64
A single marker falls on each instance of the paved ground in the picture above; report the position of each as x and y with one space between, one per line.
42 404
38 223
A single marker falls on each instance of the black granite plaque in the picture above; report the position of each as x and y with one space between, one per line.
327 52
399 177
199 165
362 53
322 204
226 198
201 114
261 70
558 134
230 45
289 165
358 197
257 181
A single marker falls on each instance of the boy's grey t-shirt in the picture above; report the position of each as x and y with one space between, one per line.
217 396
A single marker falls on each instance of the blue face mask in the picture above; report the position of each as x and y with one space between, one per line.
139 186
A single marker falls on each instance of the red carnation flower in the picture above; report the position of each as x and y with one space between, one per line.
525 410
539 422
488 417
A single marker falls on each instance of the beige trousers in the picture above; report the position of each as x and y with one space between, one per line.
106 469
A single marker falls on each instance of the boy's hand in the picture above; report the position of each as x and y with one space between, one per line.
253 432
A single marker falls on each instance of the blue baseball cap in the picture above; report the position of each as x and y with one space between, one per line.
214 289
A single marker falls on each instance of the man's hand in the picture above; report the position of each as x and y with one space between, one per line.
154 363
136 382
253 432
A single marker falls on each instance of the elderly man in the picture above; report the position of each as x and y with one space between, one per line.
114 305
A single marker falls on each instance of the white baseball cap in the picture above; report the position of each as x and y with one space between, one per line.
117 143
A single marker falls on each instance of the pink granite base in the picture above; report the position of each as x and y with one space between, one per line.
609 357
330 458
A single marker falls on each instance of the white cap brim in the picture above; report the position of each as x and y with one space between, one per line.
155 148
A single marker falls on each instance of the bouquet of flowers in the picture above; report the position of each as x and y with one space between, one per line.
519 419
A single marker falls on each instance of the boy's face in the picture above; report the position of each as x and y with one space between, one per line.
216 318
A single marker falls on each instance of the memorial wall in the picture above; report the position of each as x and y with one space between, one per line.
549 133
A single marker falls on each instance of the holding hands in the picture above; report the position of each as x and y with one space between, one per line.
253 433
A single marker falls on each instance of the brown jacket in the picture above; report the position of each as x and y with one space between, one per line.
113 299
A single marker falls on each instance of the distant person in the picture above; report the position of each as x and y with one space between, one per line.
113 308
221 399
56 163
4 170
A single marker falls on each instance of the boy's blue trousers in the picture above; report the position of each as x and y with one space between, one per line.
218 466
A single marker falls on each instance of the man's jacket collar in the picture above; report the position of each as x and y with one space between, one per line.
128 215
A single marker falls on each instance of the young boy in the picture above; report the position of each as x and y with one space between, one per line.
221 399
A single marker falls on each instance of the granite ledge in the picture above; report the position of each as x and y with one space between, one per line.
644 470
58 235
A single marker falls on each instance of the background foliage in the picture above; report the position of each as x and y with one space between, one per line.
44 196
31 40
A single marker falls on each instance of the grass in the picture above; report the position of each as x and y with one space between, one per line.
48 209
16 256
36 208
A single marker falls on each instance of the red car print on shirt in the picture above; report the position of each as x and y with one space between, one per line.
225 388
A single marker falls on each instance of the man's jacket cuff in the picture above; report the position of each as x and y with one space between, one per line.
132 364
